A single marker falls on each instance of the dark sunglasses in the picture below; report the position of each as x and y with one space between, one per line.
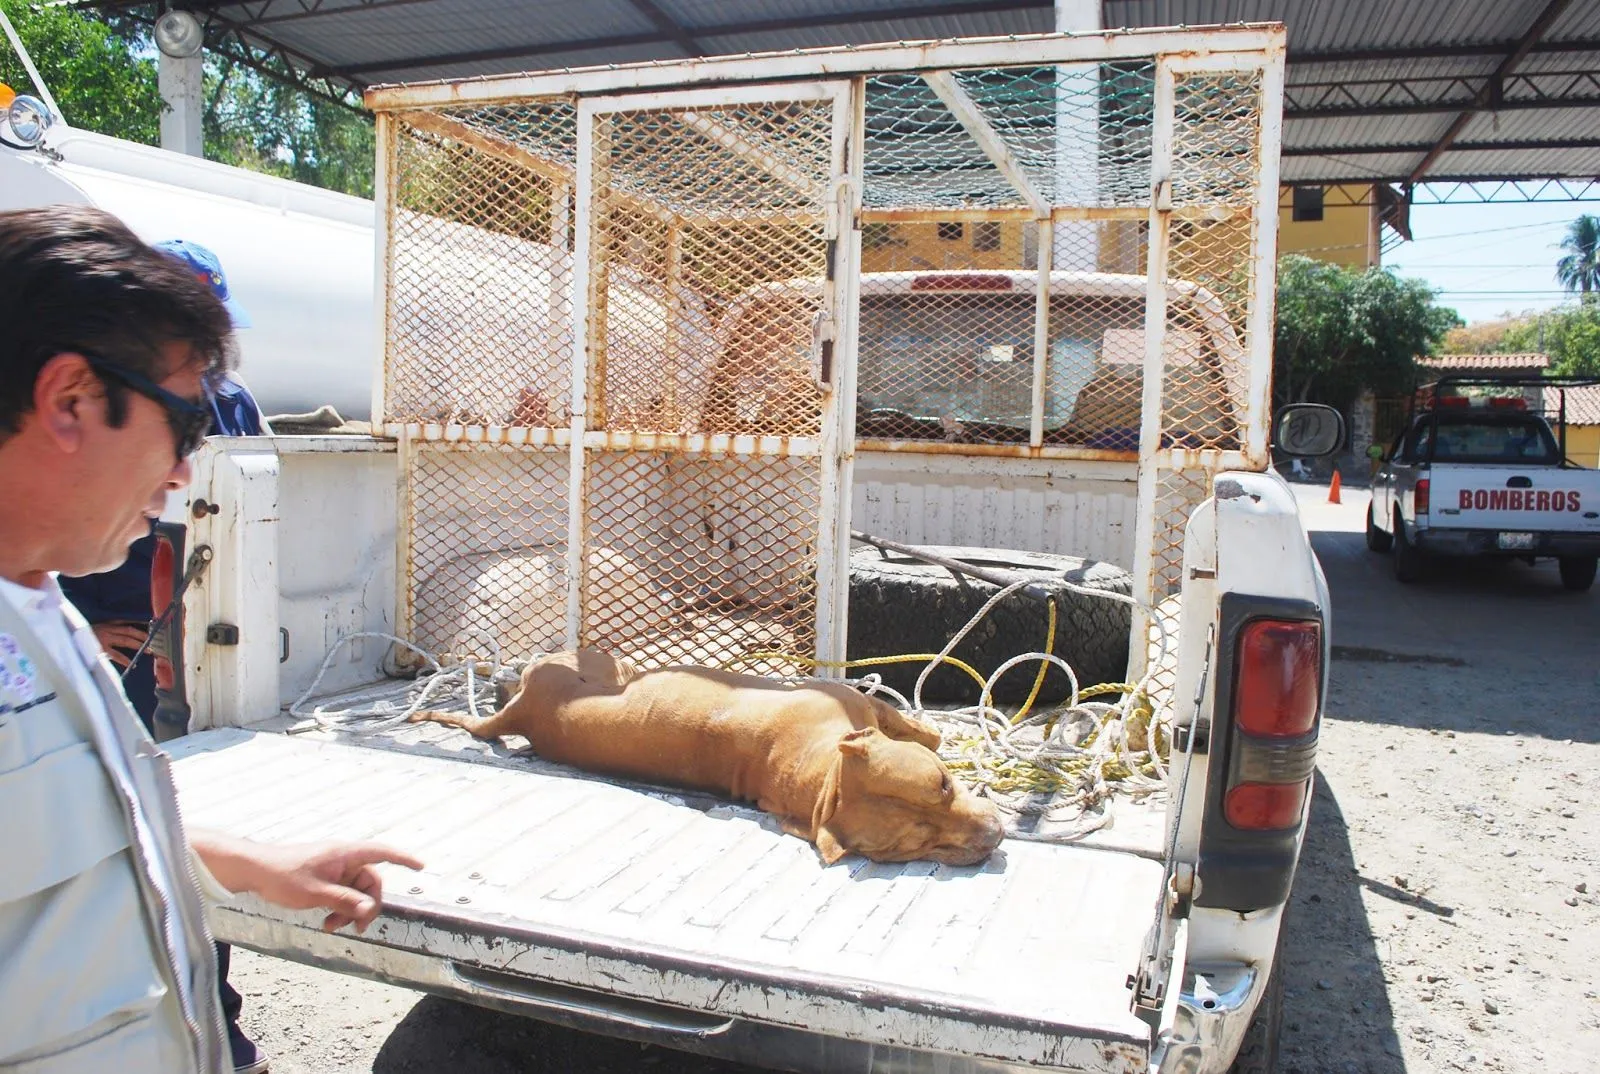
190 421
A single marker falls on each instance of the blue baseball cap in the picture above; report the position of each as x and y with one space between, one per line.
209 269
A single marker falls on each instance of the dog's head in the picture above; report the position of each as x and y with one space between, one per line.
896 801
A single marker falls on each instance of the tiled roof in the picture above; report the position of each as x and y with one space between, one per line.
1486 361
1583 405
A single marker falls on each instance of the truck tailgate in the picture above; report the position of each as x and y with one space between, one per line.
637 895
1529 498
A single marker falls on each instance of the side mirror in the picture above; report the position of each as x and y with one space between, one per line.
1308 430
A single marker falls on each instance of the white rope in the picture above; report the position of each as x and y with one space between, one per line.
454 685
1002 744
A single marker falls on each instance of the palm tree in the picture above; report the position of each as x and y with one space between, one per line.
1580 269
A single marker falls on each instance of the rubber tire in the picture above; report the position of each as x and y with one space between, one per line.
900 605
1377 540
1409 560
1259 1052
1577 572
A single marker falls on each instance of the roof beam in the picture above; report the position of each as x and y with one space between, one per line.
1441 52
664 23
1334 152
1491 89
1436 94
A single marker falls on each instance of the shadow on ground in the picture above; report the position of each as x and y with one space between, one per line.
443 1035
1501 622
1336 1013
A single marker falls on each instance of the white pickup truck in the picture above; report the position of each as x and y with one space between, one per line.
1478 472
607 413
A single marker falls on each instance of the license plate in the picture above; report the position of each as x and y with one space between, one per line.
1516 542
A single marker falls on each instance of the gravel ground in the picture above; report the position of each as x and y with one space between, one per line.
1445 914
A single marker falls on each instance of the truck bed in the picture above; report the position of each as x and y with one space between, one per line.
537 875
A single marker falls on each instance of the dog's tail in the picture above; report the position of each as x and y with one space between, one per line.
479 727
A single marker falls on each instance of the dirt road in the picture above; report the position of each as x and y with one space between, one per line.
1445 916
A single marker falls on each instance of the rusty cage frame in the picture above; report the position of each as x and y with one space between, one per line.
621 312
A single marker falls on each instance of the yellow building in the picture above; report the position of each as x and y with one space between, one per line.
1583 426
1330 224
1332 227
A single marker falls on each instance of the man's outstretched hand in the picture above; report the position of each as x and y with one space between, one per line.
338 877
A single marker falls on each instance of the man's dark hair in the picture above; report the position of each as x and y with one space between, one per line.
77 279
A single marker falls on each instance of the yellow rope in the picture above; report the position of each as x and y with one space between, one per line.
1044 665
1009 775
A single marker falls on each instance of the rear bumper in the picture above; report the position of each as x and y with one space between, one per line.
1451 542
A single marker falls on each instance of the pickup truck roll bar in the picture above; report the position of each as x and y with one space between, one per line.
1425 396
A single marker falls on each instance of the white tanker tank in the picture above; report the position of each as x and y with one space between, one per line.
299 259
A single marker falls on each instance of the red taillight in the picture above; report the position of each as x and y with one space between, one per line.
1265 806
163 572
1280 677
1419 501
1453 402
960 281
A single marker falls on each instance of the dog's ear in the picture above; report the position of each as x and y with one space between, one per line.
829 847
903 725
858 743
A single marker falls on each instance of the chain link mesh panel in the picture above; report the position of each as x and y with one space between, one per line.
708 305
486 548
1080 134
698 559
1178 493
695 210
479 265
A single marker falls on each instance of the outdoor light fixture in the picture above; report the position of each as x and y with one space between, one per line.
29 119
179 35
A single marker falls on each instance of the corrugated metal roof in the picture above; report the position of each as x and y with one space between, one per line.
1374 83
1330 25
1498 362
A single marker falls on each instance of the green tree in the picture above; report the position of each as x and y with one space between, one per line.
103 81
255 121
1340 331
1579 270
1570 335
103 75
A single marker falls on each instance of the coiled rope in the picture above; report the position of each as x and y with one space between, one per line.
1066 759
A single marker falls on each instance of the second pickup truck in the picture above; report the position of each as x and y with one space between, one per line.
1486 474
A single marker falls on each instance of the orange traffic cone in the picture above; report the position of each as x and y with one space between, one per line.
1333 488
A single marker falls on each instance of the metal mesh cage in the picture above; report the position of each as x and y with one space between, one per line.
642 291
487 554
927 135
695 209
698 560
479 264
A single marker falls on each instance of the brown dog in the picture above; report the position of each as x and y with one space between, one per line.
846 771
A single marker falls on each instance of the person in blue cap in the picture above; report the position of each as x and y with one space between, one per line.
117 603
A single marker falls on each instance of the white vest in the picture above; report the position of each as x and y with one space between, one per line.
97 894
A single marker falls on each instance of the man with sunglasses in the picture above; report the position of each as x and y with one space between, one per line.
117 602
108 355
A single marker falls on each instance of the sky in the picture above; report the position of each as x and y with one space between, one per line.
1486 260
